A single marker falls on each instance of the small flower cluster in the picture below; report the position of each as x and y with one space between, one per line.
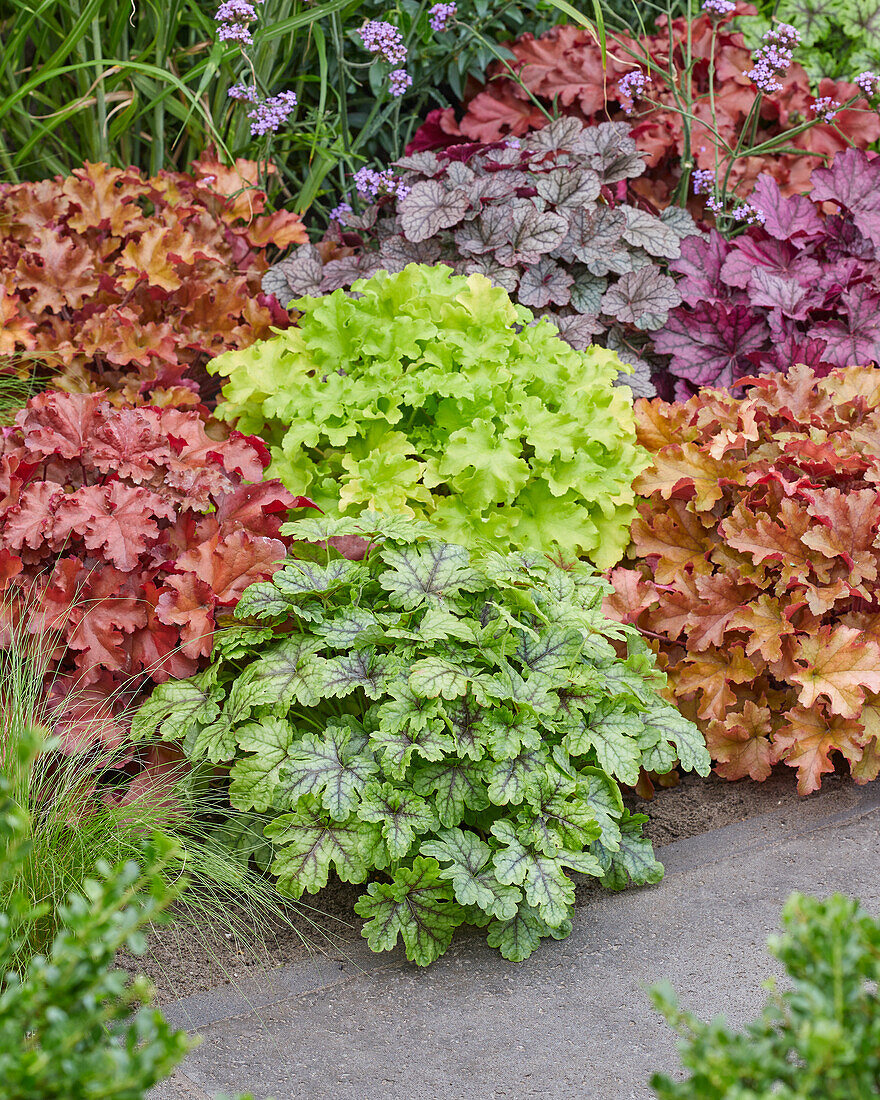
630 87
719 7
340 213
742 213
233 17
371 183
869 83
386 42
268 115
440 15
383 39
826 108
398 81
774 58
703 180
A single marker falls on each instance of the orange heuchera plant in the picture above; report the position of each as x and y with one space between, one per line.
563 71
118 282
754 568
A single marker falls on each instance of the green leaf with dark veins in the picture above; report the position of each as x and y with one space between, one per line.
510 781
287 673
406 710
612 731
458 784
417 906
671 726
354 628
471 873
398 748
334 768
560 818
308 842
262 601
255 777
604 799
401 814
633 863
439 676
362 668
552 650
178 707
301 579
518 937
470 728
424 574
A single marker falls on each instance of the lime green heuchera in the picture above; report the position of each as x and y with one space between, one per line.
450 724
433 396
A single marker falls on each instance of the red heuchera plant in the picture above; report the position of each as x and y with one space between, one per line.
755 567
125 534
803 287
131 284
563 70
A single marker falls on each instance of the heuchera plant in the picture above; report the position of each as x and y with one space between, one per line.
802 287
124 536
453 725
431 395
564 70
755 566
113 281
544 218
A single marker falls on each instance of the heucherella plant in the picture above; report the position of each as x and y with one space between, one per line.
434 396
451 725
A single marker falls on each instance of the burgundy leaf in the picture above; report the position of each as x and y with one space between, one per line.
709 345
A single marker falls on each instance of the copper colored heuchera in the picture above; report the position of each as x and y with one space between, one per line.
114 281
754 569
124 535
563 70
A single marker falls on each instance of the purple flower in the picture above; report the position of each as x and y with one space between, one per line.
719 7
270 115
630 87
703 180
235 11
440 15
749 214
234 32
869 83
243 91
773 58
384 39
715 204
373 184
340 213
398 81
826 107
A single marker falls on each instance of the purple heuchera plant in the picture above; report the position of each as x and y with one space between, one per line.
546 217
803 287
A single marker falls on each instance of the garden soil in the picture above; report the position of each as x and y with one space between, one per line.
184 958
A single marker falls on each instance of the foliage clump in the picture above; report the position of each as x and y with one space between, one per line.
434 396
804 287
754 569
564 70
546 218
818 1040
117 281
453 725
70 1025
124 535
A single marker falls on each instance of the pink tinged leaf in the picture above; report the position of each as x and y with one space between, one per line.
228 564
429 207
853 182
776 257
779 292
855 338
505 277
188 603
32 522
117 518
710 344
60 423
701 261
787 218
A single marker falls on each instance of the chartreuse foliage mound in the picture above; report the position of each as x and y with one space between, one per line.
819 1040
450 724
433 396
